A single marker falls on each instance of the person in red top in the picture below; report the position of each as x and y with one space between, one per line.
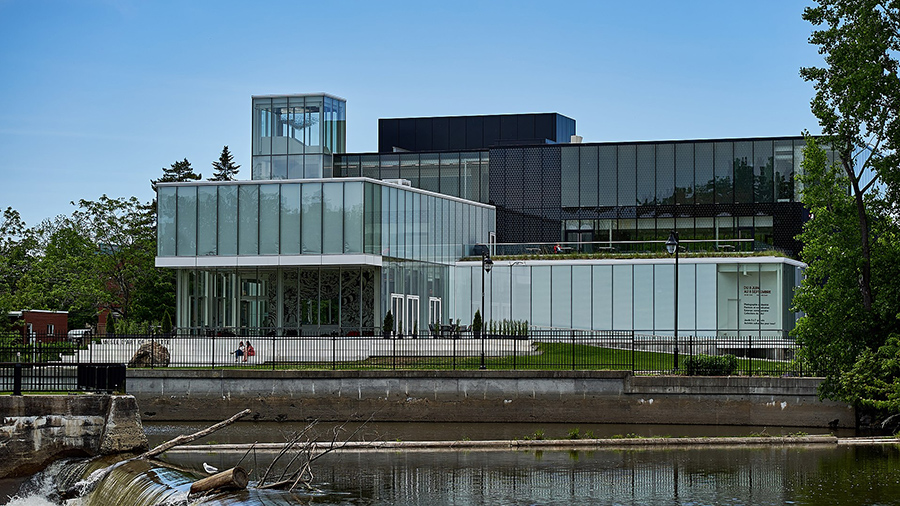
249 352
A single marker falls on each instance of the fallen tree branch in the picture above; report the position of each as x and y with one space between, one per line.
85 486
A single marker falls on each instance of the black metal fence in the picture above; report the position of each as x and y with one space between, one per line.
457 350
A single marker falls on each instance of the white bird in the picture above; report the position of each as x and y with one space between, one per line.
209 469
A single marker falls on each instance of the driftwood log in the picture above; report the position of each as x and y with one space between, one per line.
85 486
234 478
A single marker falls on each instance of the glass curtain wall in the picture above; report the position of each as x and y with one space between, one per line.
717 190
458 174
318 217
278 301
715 299
296 136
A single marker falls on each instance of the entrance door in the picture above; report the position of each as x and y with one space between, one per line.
411 318
397 303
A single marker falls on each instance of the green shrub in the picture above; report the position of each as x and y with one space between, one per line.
708 365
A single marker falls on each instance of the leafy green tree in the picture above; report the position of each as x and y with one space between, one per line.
857 102
224 168
850 296
16 258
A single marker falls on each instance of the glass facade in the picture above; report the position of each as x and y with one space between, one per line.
708 190
322 217
717 297
462 174
386 242
296 136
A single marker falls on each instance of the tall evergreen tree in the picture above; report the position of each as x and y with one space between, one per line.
178 172
225 168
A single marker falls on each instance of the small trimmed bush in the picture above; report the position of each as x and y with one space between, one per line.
708 365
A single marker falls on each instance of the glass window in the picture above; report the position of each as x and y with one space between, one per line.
430 172
227 222
608 180
187 221
743 172
724 173
561 302
663 297
311 218
784 171
206 220
269 204
704 191
353 217
296 126
626 172
450 174
521 292
333 218
469 166
581 296
643 298
262 126
166 224
647 173
622 297
706 298
499 283
684 173
290 219
312 123
312 166
409 168
295 167
540 296
262 168
602 297
281 130
799 146
248 220
764 171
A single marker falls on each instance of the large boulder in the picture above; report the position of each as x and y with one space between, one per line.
150 354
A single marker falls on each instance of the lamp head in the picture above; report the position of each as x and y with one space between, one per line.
672 242
487 263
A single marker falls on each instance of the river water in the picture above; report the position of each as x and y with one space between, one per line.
751 475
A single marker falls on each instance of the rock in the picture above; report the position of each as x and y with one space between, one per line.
150 354
124 431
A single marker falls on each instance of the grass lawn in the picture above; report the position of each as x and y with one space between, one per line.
547 356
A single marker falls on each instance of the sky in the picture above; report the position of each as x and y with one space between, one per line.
97 96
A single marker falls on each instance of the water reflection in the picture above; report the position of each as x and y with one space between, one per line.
760 475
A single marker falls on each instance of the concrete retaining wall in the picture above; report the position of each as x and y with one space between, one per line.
484 396
37 429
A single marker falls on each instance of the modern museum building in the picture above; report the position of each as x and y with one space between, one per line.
324 242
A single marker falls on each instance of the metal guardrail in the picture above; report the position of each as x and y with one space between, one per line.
553 349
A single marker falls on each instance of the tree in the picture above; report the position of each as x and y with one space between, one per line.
849 295
857 101
178 172
225 168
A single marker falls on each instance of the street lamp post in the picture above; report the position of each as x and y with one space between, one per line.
486 264
672 245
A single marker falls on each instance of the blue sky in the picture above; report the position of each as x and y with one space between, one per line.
97 96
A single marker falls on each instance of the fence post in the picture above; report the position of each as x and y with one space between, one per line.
394 353
632 352
17 379
333 352
152 352
273 352
691 355
454 353
573 349
750 353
